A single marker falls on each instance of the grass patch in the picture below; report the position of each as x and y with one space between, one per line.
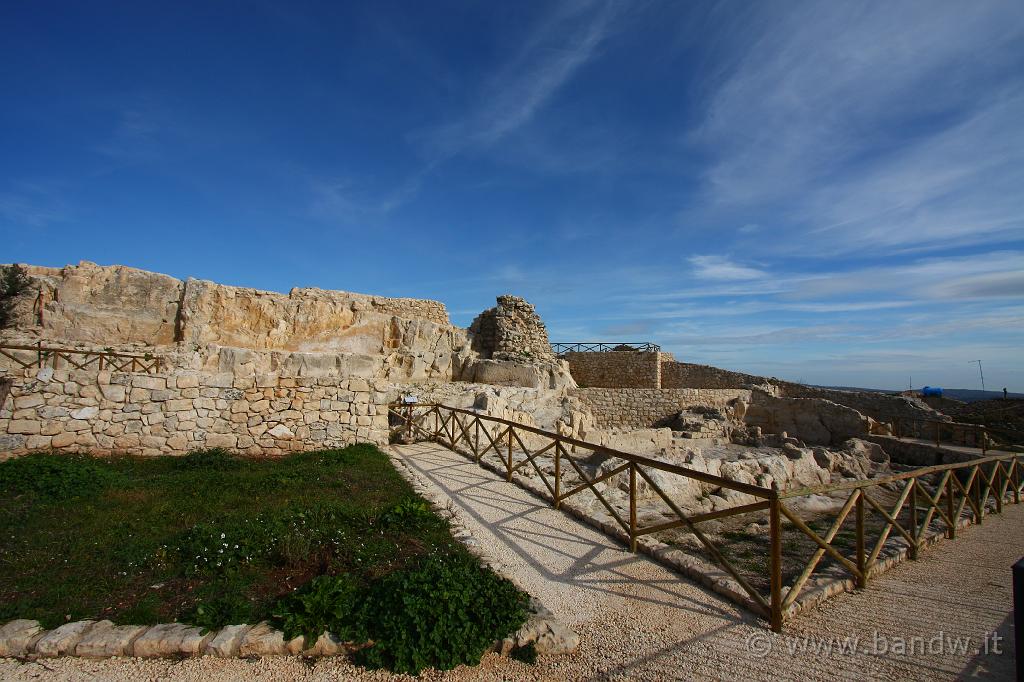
310 541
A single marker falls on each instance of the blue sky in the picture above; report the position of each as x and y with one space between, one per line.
830 192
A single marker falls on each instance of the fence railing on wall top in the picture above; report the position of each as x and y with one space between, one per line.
561 348
29 357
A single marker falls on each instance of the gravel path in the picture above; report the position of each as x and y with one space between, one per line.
638 620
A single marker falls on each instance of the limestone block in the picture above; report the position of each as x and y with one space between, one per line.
223 380
105 639
178 405
326 645
51 428
281 431
38 442
221 440
63 440
187 381
263 640
170 639
63 640
25 426
139 395
149 382
86 440
85 413
27 401
17 637
114 393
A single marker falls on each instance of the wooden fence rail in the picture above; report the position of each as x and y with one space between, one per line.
927 497
39 355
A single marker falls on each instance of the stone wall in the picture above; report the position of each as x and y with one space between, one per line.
103 412
617 369
689 375
512 330
641 408
879 406
812 420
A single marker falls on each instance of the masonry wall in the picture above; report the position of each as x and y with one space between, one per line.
616 369
103 412
640 408
878 406
688 375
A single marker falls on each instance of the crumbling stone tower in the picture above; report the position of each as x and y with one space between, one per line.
512 330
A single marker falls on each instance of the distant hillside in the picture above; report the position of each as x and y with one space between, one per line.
967 395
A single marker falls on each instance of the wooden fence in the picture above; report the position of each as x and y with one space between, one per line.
29 357
930 500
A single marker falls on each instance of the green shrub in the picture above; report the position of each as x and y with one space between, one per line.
54 478
212 459
221 604
447 611
13 282
412 511
325 604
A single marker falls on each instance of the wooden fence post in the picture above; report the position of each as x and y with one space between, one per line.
950 507
775 560
508 467
862 581
912 553
558 475
632 507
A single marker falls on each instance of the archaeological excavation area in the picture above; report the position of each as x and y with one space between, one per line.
773 494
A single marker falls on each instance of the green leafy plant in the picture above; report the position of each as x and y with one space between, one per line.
13 282
324 604
222 604
446 611
55 478
412 511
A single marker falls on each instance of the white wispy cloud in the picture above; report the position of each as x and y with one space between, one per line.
563 43
722 268
872 126
32 205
